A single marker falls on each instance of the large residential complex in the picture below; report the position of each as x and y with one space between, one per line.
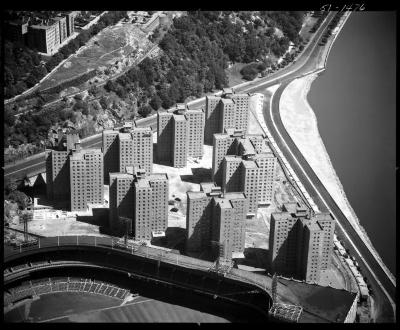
128 146
299 245
244 163
230 111
43 34
74 175
214 217
141 199
179 135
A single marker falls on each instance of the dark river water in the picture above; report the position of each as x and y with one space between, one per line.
355 104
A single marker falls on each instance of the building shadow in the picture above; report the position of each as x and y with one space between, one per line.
175 238
255 257
98 218
199 174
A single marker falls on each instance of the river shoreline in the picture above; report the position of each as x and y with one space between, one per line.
301 124
289 107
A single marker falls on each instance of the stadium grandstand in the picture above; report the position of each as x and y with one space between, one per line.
32 288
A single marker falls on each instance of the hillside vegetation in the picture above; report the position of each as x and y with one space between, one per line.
196 50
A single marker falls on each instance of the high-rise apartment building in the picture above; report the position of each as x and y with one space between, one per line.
110 153
229 222
141 197
179 135
74 175
128 146
300 246
244 163
180 140
214 217
57 167
230 111
121 197
86 178
195 132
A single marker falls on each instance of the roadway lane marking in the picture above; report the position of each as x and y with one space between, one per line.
322 199
24 168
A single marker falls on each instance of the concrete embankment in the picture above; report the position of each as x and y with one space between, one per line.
301 124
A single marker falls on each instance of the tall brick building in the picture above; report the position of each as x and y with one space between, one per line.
140 197
300 246
74 175
244 163
179 135
230 111
128 146
213 216
57 167
86 178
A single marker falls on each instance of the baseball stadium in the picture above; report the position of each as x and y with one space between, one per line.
87 281
101 279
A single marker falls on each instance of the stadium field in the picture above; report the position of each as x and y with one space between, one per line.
143 310
56 305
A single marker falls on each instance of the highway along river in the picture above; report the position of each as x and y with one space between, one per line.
355 104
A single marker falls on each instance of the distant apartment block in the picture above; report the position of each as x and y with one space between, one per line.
244 163
128 146
300 246
74 175
230 111
140 197
16 30
214 217
62 25
45 33
70 21
179 135
44 38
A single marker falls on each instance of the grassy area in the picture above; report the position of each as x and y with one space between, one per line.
60 304
145 310
234 75
111 45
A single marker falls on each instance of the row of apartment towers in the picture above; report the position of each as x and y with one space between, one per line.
243 173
